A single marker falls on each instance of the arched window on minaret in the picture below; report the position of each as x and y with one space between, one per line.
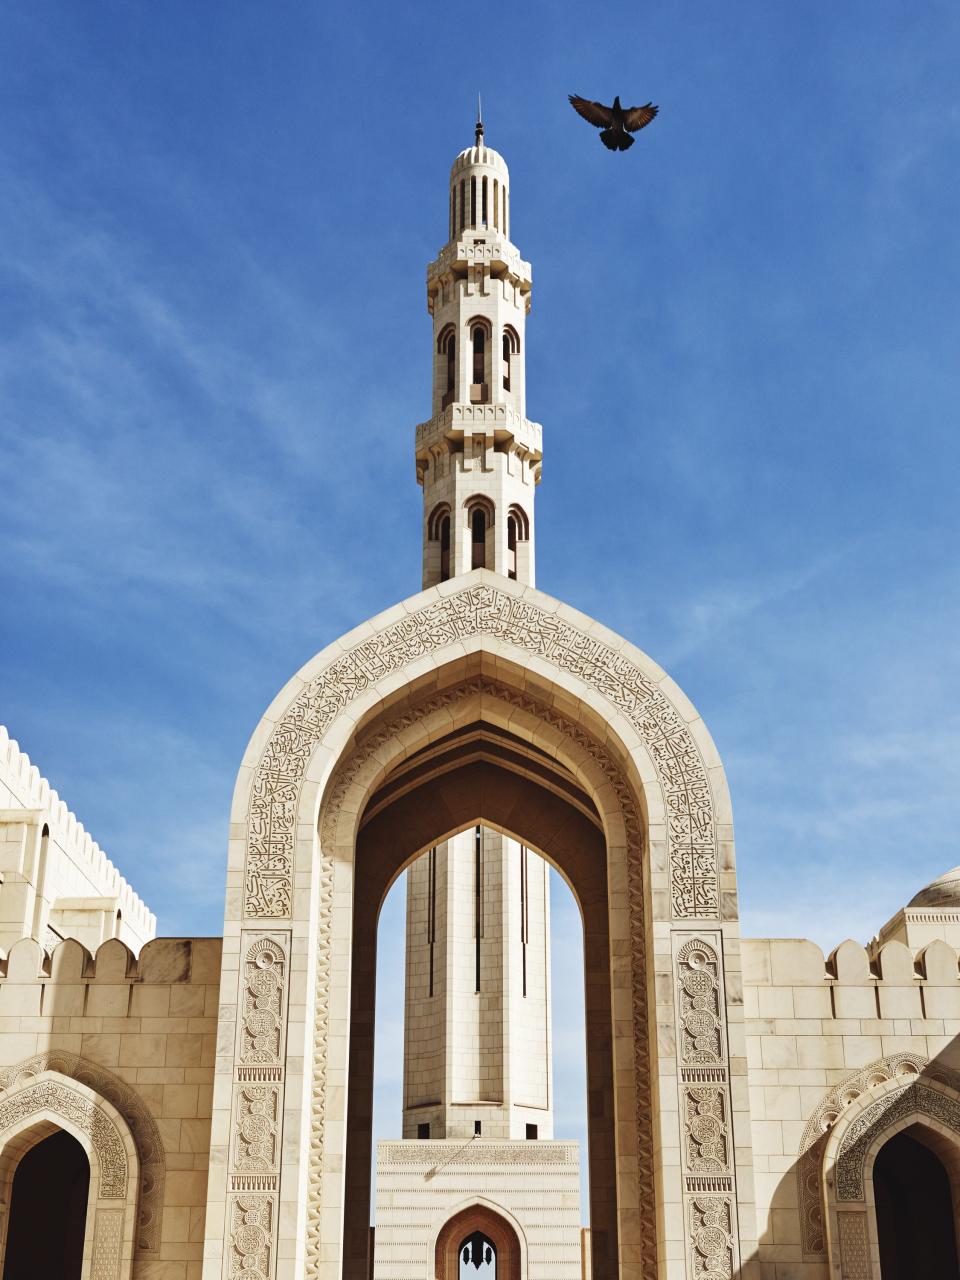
480 334
447 356
518 530
438 530
479 522
511 347
496 204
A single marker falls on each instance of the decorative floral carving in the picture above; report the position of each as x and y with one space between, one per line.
142 1126
51 1095
262 1012
345 777
258 1114
705 1120
699 1003
482 610
252 1221
711 1235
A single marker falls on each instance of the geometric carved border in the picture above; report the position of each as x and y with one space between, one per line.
143 1130
338 788
482 610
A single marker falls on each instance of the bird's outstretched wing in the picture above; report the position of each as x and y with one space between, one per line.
635 118
595 112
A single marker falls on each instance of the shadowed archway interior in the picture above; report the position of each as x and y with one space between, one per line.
48 1211
471 1237
482 774
915 1214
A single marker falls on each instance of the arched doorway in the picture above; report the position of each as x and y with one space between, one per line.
915 1215
48 1211
482 650
478 1243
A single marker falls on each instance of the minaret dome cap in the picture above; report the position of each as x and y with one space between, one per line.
479 157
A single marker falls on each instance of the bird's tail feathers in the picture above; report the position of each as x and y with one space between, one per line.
616 140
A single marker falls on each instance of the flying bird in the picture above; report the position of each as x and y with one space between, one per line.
616 122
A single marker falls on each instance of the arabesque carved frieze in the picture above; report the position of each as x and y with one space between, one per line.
62 1100
142 1126
482 610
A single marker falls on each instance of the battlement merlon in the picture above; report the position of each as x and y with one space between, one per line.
55 880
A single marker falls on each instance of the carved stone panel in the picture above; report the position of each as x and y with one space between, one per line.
62 1100
854 1246
259 1075
711 1231
482 610
107 1243
142 1126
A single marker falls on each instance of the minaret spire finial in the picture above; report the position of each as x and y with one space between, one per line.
479 129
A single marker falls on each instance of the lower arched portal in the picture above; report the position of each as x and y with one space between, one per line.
915 1213
477 1243
48 1211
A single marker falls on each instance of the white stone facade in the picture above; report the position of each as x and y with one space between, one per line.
535 1185
55 882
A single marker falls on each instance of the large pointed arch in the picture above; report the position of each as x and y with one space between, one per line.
671 919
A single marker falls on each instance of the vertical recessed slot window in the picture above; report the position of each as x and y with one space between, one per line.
496 204
453 212
531 1131
483 202
431 919
463 203
473 202
506 361
477 1128
479 355
478 541
478 907
444 548
524 910
423 1130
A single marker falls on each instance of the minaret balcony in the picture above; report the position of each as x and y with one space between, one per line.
500 422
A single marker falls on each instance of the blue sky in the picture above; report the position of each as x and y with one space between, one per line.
214 224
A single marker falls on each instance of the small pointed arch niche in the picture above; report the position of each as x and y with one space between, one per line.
510 347
480 333
438 532
447 364
480 513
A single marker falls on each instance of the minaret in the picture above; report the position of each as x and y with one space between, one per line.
477 1050
478 456
478 1152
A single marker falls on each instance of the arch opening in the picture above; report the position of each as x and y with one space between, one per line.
48 1211
483 775
915 1210
477 1244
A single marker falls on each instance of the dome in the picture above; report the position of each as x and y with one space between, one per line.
477 157
942 892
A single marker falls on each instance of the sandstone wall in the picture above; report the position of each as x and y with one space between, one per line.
820 1032
142 1032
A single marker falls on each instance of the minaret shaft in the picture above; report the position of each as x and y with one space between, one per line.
477 1025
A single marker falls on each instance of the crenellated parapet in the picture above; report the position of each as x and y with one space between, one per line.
55 880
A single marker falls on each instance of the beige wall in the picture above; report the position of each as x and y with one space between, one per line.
141 1033
822 1033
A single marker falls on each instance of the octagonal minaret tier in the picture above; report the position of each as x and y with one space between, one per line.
478 457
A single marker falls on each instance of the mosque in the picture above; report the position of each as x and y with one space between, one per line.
201 1108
